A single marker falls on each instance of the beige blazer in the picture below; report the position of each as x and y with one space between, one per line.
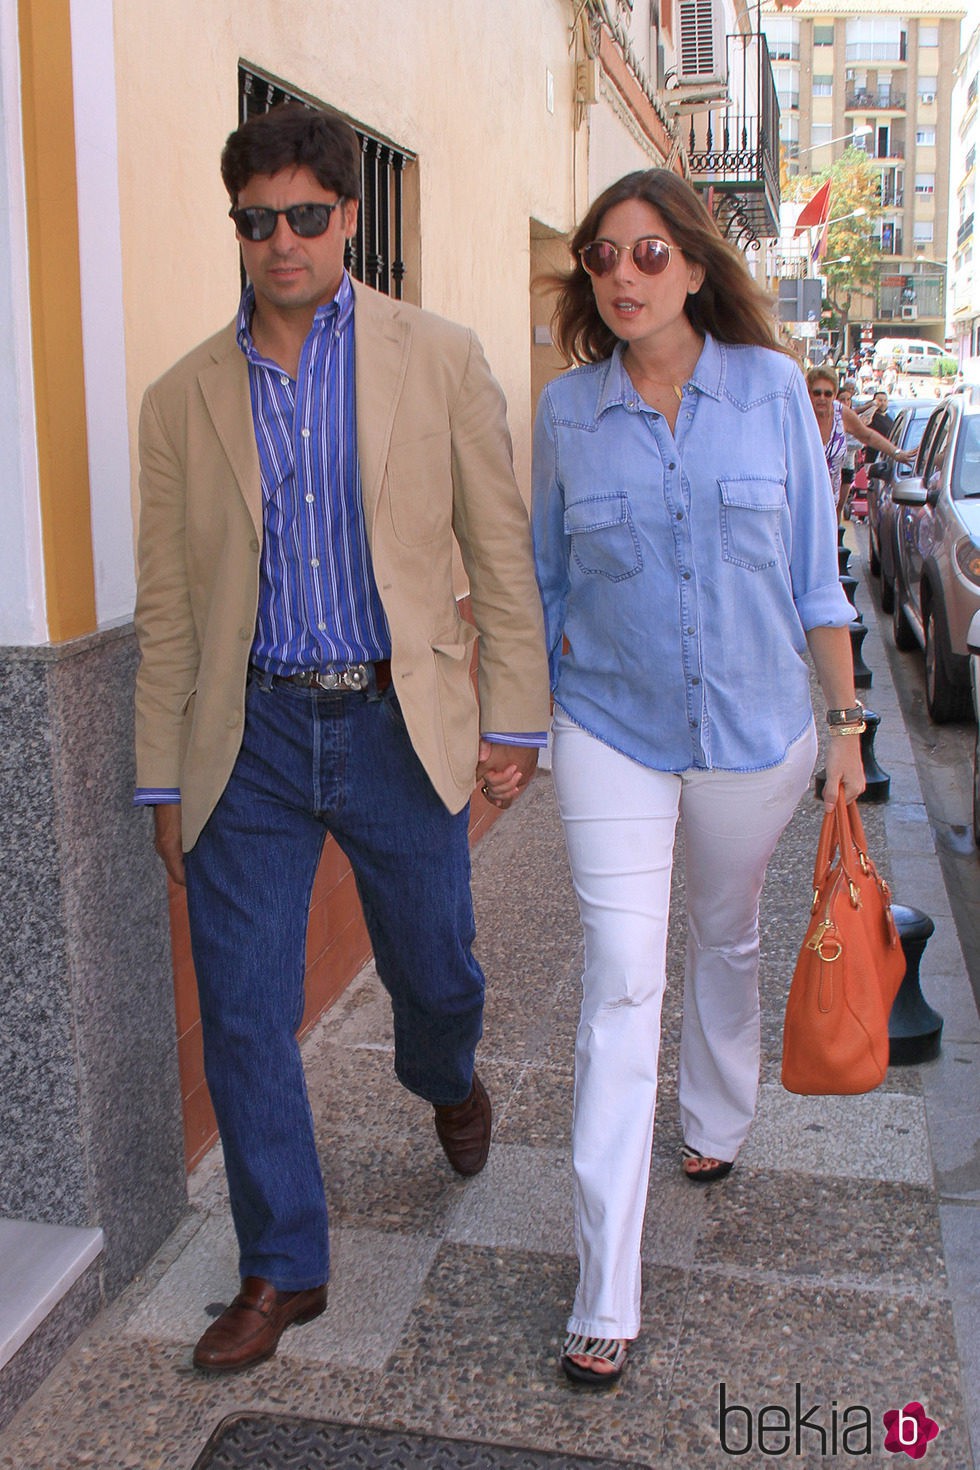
435 461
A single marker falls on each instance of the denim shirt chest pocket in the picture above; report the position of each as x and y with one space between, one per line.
603 537
750 514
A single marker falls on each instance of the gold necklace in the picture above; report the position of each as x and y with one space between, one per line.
638 373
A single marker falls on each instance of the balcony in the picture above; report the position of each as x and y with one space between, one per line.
874 102
734 154
964 232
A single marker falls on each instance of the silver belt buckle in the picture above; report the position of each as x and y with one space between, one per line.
355 677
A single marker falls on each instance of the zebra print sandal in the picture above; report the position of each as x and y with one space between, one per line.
606 1349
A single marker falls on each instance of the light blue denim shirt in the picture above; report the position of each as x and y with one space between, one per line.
685 569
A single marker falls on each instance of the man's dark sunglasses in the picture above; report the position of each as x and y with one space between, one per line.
256 222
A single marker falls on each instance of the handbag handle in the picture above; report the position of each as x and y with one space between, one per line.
842 831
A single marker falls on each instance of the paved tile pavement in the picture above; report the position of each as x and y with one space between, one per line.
835 1274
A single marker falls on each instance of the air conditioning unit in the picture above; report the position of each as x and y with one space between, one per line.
909 313
927 96
701 52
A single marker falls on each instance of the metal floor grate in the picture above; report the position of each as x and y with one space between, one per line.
282 1442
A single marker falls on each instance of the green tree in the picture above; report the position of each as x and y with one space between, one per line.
853 186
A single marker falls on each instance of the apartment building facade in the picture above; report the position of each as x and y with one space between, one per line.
877 75
964 287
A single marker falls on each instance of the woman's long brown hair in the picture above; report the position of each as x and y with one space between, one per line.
729 304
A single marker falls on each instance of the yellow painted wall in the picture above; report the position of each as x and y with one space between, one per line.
458 82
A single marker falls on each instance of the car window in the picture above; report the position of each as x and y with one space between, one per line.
928 439
937 453
914 429
966 478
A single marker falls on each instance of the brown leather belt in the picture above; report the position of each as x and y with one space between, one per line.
355 678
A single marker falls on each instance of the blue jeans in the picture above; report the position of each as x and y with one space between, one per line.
313 763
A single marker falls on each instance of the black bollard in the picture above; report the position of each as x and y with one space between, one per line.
850 586
841 533
863 676
914 1028
877 782
843 557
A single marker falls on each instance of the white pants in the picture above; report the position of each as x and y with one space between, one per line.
619 819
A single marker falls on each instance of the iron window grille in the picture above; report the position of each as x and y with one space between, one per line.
376 253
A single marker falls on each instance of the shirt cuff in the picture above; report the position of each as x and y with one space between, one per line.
537 738
156 796
825 607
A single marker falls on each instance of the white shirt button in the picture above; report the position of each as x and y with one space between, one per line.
314 561
310 499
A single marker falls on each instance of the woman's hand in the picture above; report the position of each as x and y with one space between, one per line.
844 768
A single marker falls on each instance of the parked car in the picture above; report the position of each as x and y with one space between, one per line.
973 644
937 546
907 433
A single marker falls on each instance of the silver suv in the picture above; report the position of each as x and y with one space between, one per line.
937 553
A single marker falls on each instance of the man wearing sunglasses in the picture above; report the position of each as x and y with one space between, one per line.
305 475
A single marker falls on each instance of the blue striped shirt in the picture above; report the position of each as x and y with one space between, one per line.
318 600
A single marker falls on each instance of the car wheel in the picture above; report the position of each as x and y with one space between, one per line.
902 631
874 560
887 594
945 699
976 791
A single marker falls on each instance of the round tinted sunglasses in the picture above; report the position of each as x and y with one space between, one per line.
256 222
649 255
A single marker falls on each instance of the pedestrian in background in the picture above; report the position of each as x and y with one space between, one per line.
836 421
686 547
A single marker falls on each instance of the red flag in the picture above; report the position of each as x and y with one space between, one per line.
815 212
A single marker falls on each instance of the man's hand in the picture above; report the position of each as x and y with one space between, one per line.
166 823
504 771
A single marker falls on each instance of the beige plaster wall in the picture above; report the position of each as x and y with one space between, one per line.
459 82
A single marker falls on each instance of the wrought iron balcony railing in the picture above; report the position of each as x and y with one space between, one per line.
733 152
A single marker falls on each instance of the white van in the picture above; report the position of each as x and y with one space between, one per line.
916 354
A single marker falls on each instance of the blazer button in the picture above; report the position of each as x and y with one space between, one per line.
232 721
254 544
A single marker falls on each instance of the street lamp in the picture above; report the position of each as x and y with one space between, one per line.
837 260
859 132
854 214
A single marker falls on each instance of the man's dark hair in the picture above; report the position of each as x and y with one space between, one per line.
293 136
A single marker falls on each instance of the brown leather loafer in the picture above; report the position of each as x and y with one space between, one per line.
249 1330
464 1130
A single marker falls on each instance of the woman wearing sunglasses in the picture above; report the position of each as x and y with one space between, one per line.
837 422
686 550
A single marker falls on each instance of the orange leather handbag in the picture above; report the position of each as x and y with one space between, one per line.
835 1037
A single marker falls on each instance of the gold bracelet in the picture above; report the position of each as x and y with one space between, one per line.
849 729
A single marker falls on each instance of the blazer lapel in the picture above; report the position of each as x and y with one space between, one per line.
225 388
382 337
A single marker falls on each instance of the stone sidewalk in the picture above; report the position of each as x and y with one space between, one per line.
838 1266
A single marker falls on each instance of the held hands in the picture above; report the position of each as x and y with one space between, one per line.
167 828
504 771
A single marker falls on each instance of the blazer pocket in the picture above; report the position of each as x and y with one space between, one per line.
419 483
458 705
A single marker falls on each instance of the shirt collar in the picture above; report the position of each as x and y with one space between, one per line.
336 314
617 389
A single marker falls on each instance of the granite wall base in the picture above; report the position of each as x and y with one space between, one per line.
90 1124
